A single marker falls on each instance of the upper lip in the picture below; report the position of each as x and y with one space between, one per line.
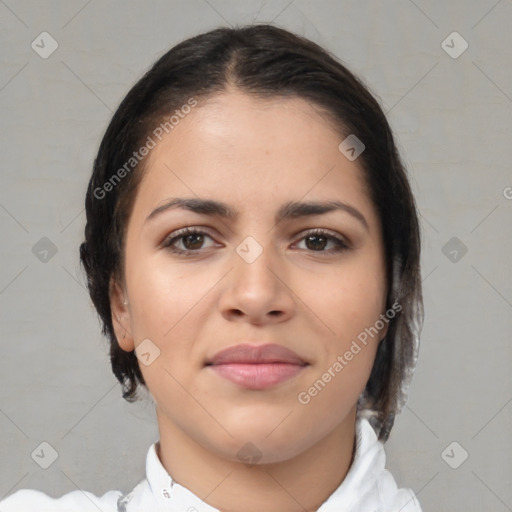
256 354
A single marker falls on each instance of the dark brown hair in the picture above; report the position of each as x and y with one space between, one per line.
264 61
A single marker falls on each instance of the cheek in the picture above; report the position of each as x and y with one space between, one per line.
164 296
171 306
350 304
350 298
168 305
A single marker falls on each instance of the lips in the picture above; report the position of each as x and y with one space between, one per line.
256 366
256 354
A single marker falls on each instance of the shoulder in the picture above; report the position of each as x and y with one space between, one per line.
368 485
384 490
139 499
395 498
29 500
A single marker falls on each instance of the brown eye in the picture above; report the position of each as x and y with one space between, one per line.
316 242
193 241
189 241
322 242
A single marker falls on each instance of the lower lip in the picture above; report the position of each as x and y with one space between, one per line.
257 376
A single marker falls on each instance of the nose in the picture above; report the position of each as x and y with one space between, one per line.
257 292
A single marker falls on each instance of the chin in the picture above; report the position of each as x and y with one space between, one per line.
264 442
252 451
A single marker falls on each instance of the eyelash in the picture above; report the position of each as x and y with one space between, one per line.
341 245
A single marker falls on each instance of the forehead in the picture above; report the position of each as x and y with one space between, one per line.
233 143
240 124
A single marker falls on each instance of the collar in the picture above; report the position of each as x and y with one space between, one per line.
170 495
367 486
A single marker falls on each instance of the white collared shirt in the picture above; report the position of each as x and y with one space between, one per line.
367 487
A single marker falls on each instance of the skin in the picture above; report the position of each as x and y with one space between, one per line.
254 155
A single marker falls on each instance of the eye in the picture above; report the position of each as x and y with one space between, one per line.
188 241
319 240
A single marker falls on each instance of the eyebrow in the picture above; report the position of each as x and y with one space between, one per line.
291 210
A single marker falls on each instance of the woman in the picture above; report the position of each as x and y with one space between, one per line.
252 248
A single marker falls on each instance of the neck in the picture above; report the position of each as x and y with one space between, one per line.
299 484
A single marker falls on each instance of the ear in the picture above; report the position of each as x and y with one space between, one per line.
121 319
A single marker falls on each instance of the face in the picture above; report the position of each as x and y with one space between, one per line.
274 240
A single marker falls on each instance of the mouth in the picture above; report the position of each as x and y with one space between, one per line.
256 367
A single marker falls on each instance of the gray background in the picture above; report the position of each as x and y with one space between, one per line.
452 118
